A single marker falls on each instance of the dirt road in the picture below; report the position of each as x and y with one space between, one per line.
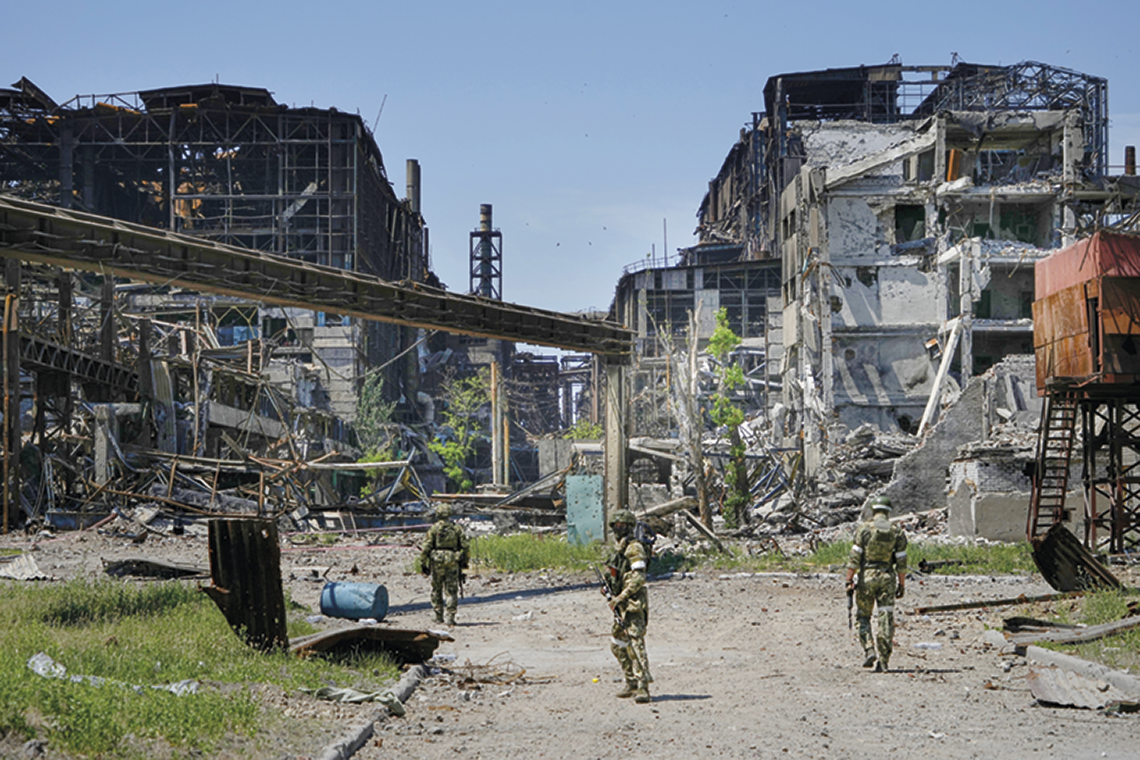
744 666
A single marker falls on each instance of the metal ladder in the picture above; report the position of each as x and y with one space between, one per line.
1054 450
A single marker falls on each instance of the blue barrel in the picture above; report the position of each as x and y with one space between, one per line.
354 601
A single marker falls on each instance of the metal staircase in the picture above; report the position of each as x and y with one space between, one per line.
1054 451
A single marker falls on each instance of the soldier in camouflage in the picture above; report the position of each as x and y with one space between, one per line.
878 556
444 556
630 601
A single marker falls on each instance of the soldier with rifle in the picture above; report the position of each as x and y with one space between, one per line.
625 590
444 556
878 556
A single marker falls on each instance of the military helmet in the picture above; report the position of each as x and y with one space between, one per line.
443 511
880 504
622 516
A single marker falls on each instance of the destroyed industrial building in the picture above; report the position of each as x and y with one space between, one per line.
871 238
236 375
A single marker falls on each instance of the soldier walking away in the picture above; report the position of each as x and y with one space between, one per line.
444 556
878 556
629 599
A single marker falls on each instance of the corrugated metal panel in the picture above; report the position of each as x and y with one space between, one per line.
1054 686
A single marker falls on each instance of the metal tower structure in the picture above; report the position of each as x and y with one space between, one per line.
487 257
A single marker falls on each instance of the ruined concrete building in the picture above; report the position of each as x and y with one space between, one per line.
233 165
907 206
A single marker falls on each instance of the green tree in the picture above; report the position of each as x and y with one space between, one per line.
373 421
724 412
585 430
463 399
373 416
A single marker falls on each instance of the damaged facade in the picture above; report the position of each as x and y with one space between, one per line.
903 209
908 205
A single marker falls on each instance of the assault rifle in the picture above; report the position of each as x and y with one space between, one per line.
608 593
850 598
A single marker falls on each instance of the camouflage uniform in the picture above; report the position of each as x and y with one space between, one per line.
445 554
879 557
627 580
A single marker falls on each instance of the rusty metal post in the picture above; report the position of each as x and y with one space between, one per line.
1130 160
107 320
11 377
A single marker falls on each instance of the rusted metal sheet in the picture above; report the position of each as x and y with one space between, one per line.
404 644
1053 686
1067 565
1072 635
245 565
1086 317
1104 254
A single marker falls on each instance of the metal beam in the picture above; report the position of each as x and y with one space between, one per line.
49 235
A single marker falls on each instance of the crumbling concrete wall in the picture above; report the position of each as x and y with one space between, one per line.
919 481
836 143
990 491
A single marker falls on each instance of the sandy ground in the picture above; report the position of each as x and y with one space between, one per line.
744 666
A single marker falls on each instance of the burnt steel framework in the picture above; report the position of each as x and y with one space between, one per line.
226 164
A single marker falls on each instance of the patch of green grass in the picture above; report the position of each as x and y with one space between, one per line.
1121 650
524 552
139 636
976 559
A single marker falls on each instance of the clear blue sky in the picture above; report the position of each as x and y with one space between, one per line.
590 126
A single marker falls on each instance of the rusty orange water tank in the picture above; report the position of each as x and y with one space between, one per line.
1086 316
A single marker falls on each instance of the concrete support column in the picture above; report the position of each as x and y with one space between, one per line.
617 482
496 426
106 429
966 310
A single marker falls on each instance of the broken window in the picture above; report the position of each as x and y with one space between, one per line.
982 308
1019 224
910 223
1026 304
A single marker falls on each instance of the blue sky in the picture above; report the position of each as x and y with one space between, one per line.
592 127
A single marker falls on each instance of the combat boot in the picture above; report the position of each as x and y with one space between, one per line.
641 696
439 616
881 666
451 618
629 690
869 660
